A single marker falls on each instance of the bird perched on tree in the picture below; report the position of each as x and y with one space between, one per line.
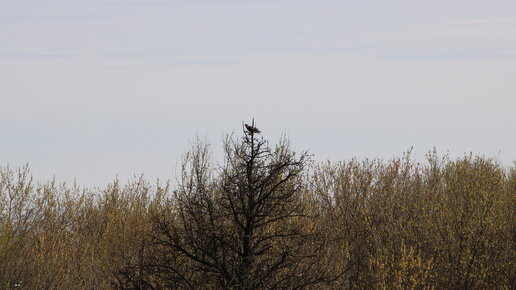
252 129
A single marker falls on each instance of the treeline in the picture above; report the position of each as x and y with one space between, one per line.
267 218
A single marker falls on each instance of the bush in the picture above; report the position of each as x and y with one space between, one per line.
267 218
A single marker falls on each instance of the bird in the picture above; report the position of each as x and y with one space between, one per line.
252 129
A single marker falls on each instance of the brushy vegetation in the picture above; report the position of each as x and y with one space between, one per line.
267 218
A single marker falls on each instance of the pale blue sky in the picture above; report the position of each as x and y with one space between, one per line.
95 88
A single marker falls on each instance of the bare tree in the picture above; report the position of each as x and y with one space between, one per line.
248 227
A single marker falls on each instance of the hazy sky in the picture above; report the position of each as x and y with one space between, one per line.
95 88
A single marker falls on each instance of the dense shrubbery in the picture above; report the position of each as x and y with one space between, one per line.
267 218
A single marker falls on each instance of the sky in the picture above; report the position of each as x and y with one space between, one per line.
95 89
